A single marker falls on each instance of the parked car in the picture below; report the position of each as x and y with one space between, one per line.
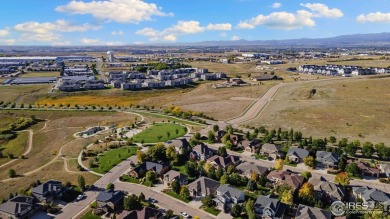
152 200
185 215
79 197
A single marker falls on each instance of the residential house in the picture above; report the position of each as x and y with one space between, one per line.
367 170
145 213
219 135
385 169
224 162
110 201
296 155
173 175
235 139
227 196
203 187
141 170
179 144
70 85
271 150
19 207
250 146
284 177
48 191
201 152
306 212
327 159
269 207
246 169
94 84
131 86
327 191
371 196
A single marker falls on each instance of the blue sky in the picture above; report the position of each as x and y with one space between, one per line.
122 22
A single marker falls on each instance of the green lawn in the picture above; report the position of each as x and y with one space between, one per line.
212 210
127 178
289 164
176 196
150 135
90 215
110 158
16 146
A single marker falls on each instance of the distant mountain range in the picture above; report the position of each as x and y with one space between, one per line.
371 39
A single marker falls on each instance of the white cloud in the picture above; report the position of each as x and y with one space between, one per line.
225 26
322 10
280 20
8 41
378 17
94 42
223 34
276 5
288 21
4 33
235 38
181 28
119 33
122 11
62 43
39 37
48 27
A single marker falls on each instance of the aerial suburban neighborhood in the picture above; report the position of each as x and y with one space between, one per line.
147 109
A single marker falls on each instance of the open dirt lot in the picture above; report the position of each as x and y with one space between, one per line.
23 93
32 74
220 103
353 108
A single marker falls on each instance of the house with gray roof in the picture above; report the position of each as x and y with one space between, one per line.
296 155
269 207
203 187
327 159
110 201
141 170
307 212
327 191
179 144
246 169
227 196
19 207
201 152
271 150
371 196
48 191
224 162
173 175
145 213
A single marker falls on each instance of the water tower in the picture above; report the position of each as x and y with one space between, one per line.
110 56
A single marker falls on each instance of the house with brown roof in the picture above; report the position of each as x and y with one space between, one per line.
145 213
235 139
219 135
179 145
285 177
250 146
224 162
271 150
141 170
367 170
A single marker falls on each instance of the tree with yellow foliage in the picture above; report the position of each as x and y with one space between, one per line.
342 178
279 164
287 197
254 176
206 167
306 191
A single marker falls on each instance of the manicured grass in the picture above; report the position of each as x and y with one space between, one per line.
90 215
150 135
181 169
40 74
109 159
212 210
289 164
147 183
176 196
127 178
259 156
